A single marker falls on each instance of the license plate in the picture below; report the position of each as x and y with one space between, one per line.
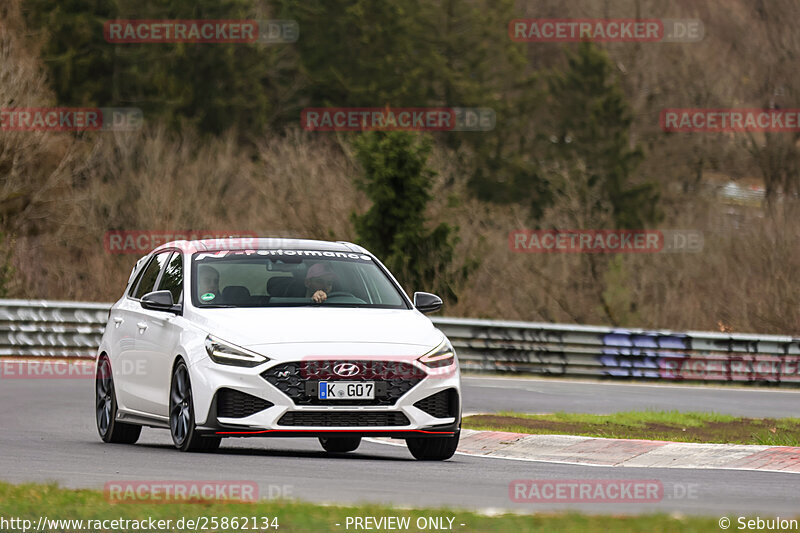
346 390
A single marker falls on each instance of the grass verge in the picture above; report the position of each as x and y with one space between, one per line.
32 501
648 425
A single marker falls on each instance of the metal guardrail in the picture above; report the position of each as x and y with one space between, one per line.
51 328
72 329
593 351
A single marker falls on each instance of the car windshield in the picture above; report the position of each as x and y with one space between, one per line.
291 278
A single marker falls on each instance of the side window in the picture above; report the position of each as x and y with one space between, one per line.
132 290
172 280
150 275
136 274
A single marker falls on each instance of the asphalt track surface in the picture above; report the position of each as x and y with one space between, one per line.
538 395
48 434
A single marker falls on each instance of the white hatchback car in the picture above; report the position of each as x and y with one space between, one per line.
275 337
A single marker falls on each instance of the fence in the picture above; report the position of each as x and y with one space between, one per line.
72 329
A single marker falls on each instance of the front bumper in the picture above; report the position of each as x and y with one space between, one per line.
284 409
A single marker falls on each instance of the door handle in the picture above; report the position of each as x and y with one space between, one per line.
142 326
118 319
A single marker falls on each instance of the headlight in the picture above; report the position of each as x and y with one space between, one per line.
227 354
442 355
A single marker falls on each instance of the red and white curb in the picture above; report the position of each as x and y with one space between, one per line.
569 449
628 452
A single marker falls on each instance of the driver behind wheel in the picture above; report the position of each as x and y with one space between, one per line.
208 282
319 282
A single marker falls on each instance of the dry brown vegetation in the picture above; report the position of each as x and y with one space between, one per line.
61 192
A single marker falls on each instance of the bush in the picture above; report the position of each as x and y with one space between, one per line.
398 181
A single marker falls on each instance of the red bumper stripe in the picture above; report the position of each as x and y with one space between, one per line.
258 432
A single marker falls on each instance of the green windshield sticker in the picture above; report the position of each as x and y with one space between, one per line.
207 297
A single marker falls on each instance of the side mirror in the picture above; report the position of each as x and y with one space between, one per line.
159 301
426 302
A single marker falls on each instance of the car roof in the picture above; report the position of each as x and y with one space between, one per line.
261 243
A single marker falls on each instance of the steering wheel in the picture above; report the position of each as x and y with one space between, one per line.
345 294
344 297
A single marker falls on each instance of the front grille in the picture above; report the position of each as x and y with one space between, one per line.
392 380
342 419
443 404
235 404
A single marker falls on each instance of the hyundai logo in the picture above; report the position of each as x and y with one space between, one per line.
346 370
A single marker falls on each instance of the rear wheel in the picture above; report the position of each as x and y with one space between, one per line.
340 444
181 415
433 448
106 409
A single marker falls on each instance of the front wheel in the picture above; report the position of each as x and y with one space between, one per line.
433 448
181 415
340 444
105 407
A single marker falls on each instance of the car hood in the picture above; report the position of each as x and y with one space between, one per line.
366 331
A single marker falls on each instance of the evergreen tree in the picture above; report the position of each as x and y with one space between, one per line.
398 182
453 53
213 86
362 53
79 60
592 122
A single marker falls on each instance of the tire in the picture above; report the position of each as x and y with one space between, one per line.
105 406
340 444
181 415
433 448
